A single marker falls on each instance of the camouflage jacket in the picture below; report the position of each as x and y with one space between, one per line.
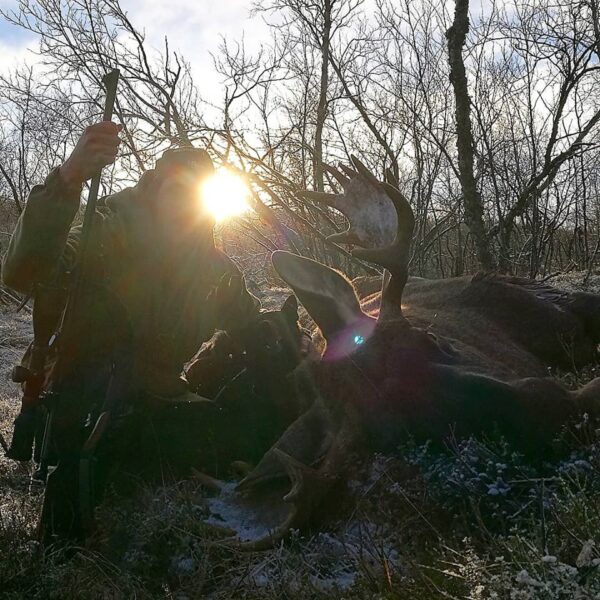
163 284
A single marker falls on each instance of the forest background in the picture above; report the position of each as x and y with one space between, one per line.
489 125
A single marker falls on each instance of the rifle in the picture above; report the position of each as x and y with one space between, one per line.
61 512
28 426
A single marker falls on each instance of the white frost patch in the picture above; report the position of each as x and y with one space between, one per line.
586 555
341 581
261 580
523 577
377 469
183 565
251 520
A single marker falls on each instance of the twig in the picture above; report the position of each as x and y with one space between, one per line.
3 443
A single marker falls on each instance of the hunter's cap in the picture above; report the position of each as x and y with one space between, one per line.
187 159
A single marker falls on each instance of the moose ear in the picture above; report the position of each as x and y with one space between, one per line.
327 295
290 308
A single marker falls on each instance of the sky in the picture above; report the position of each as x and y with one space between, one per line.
194 27
13 41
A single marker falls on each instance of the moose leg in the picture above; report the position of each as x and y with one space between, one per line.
587 398
530 412
586 306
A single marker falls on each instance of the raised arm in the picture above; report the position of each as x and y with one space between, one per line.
42 244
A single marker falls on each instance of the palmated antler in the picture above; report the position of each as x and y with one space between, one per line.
372 217
308 439
307 490
308 484
381 223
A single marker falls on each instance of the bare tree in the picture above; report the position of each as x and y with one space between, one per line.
457 35
490 132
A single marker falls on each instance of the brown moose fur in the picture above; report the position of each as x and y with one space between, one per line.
468 354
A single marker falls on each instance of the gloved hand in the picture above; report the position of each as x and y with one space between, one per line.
96 148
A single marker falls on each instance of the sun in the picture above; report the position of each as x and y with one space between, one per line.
225 195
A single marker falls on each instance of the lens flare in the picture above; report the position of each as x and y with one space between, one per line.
225 195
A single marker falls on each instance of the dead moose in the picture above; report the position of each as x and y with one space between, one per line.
467 355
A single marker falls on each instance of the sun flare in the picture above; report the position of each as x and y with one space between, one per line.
225 195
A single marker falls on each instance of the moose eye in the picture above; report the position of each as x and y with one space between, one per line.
359 340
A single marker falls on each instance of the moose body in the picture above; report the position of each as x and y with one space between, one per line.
433 358
513 326
506 326
465 355
509 331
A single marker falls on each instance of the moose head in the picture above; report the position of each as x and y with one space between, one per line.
245 372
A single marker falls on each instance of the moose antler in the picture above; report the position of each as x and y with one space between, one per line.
309 484
372 217
381 223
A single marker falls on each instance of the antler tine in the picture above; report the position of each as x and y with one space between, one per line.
339 177
363 170
332 200
347 170
210 483
406 216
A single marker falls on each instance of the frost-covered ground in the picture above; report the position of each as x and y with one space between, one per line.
475 521
577 281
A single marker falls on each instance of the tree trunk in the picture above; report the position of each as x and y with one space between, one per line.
456 37
505 240
322 107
